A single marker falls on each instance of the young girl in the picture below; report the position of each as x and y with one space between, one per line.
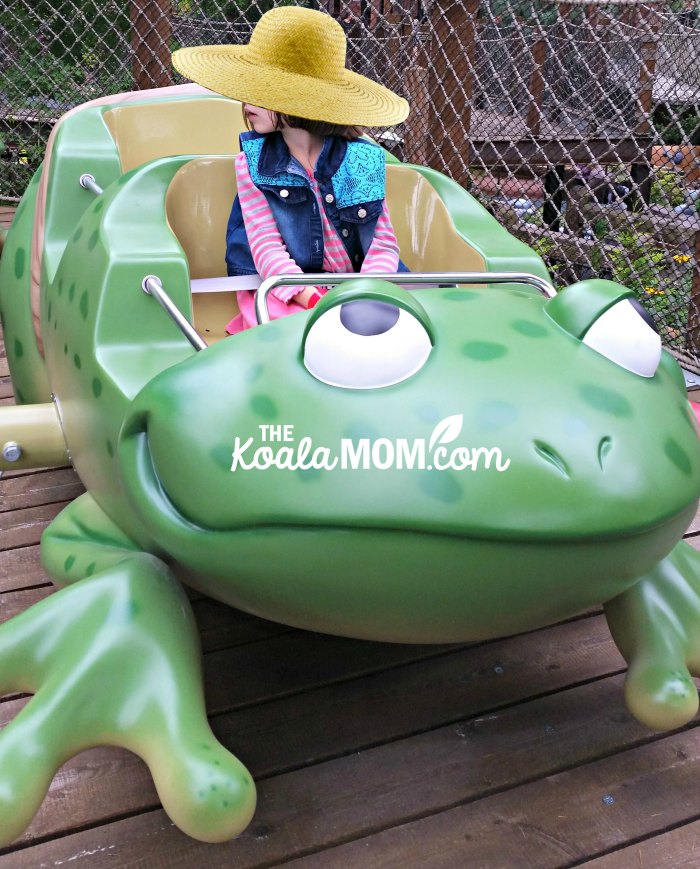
310 191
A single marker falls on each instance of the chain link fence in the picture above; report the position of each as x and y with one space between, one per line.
576 123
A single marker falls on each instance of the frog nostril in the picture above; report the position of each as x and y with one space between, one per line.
549 454
604 448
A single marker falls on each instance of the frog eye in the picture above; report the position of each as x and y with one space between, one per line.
366 344
605 316
626 335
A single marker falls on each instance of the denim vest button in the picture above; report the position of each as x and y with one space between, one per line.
284 193
329 197
357 257
346 233
362 212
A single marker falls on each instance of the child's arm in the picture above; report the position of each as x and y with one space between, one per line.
266 245
383 253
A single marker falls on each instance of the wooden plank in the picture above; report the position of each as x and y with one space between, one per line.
562 151
21 567
7 213
24 527
555 822
677 849
293 731
221 626
13 604
46 487
357 795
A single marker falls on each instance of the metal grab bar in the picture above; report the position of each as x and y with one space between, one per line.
87 182
153 286
262 312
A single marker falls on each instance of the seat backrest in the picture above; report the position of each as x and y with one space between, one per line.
197 206
424 229
199 201
149 130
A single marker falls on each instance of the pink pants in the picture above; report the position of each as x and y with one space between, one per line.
246 303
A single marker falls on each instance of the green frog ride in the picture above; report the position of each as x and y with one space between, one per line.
469 457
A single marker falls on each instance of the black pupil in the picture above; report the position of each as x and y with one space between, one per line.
643 313
368 317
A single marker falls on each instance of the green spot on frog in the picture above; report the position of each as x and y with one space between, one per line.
530 329
678 456
309 475
92 241
263 407
71 292
110 449
604 399
99 205
69 562
78 233
96 387
484 351
19 349
221 456
84 305
360 429
90 569
76 361
267 335
440 485
20 262
59 287
493 415
459 295
428 413
253 373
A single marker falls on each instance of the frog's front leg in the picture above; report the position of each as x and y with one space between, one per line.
113 659
656 625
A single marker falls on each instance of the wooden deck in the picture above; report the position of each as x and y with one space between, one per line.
513 753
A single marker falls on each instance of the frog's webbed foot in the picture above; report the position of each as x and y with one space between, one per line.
656 625
115 660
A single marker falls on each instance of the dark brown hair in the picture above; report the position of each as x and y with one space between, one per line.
316 128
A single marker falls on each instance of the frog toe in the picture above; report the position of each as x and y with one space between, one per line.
656 625
205 790
662 697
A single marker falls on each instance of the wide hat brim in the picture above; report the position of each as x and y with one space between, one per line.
235 71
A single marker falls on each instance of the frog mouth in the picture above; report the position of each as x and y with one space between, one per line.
165 518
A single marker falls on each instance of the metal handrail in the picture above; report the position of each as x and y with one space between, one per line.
262 312
153 286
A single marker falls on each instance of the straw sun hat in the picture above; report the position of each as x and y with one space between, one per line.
294 64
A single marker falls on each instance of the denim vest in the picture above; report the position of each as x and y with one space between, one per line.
351 181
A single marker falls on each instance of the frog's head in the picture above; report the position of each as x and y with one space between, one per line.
416 458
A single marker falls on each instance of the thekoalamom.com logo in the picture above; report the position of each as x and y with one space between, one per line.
278 447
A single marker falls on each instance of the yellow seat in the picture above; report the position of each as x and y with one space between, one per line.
146 131
199 201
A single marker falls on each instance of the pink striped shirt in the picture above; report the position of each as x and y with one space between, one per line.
270 254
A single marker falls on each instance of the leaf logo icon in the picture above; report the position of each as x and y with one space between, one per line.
446 430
